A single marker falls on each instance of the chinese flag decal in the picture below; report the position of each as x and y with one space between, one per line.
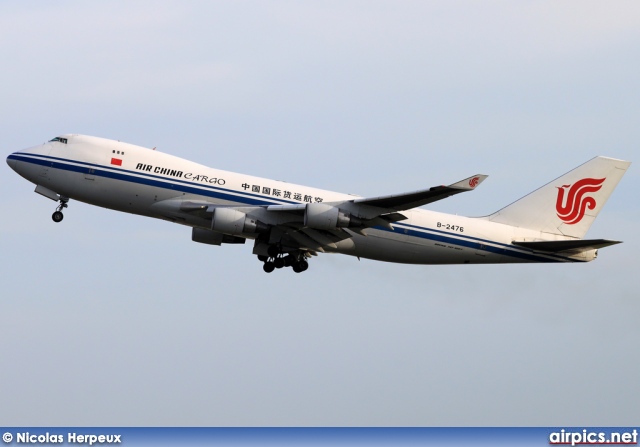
116 161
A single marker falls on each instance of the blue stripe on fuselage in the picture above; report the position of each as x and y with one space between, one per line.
477 243
148 179
503 249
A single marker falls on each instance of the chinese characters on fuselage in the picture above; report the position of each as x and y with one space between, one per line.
262 190
274 192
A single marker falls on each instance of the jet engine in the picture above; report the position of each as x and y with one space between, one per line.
234 222
321 216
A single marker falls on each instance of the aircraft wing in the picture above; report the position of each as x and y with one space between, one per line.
318 226
400 202
369 207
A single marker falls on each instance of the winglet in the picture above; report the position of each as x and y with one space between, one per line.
469 183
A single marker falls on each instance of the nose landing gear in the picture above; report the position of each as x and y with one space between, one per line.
57 216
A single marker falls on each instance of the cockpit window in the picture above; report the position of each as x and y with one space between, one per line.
60 139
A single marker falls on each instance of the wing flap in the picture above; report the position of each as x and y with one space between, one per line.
306 242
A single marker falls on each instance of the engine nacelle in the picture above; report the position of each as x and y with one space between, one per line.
321 216
234 222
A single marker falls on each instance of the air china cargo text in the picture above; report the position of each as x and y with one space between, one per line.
180 174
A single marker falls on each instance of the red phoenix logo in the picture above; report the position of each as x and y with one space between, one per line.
474 182
575 204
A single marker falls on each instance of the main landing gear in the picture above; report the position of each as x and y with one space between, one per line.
277 260
57 216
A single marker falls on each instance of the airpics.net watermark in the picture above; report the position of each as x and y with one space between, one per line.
70 438
587 437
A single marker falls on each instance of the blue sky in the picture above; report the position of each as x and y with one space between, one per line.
113 319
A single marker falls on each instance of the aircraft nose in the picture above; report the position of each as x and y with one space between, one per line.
11 161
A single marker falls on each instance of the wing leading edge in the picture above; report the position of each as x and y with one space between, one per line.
414 199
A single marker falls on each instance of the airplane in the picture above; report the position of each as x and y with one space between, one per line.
290 223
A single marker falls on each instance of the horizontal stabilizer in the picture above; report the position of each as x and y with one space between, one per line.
569 245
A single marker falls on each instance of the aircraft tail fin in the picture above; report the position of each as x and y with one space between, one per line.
568 205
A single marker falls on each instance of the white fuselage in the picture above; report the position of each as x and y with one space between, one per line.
135 180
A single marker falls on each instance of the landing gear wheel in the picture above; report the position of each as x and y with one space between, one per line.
57 216
279 263
268 267
288 261
303 265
